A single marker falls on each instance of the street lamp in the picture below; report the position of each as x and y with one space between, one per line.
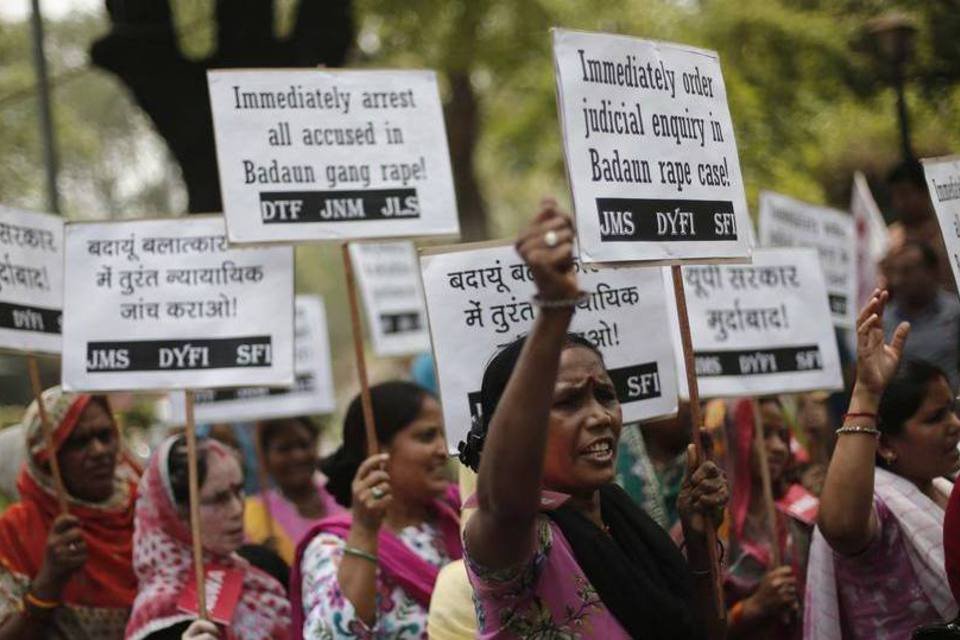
893 35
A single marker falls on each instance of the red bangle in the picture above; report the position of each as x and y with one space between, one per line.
872 416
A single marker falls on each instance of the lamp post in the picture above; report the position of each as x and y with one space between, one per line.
893 35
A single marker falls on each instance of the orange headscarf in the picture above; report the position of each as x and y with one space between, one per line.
106 579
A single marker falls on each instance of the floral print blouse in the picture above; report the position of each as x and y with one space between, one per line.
330 615
545 596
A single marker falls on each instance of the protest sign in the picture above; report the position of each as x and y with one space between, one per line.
316 154
650 150
761 328
872 239
479 299
31 280
311 393
943 180
787 222
389 279
167 304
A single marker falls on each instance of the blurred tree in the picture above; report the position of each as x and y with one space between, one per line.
142 49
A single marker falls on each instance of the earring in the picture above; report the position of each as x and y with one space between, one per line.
890 458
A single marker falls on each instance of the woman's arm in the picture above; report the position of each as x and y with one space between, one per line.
846 517
702 497
777 594
357 575
66 552
501 533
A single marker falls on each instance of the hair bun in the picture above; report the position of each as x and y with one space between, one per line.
340 468
471 448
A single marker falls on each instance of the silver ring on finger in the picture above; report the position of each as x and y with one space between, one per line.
377 493
551 239
73 546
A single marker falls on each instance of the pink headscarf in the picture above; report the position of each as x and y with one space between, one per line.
163 563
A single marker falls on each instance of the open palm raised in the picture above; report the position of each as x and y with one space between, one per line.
877 361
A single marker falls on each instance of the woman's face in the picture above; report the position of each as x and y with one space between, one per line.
88 458
221 504
418 456
585 423
776 440
927 445
291 454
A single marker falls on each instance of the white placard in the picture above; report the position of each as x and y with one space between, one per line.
167 304
787 222
31 280
650 150
316 154
478 300
388 277
311 394
943 180
761 328
872 238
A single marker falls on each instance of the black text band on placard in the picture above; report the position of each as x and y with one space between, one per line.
752 362
304 383
645 220
633 383
838 304
400 322
21 317
281 207
179 355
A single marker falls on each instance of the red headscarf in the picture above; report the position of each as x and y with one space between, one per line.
164 564
795 502
106 579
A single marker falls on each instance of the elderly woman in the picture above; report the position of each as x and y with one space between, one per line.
877 570
163 559
69 575
300 500
556 549
370 573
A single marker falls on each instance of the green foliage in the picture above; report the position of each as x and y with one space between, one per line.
809 106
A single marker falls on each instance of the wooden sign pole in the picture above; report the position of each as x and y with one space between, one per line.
373 447
263 479
760 448
194 487
696 418
58 486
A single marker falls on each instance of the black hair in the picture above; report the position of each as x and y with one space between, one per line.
268 561
927 254
395 405
495 379
905 394
269 429
908 172
178 469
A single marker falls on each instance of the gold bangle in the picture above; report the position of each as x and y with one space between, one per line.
40 603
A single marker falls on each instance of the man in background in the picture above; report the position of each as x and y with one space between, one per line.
933 313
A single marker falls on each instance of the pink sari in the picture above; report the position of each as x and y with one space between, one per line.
398 563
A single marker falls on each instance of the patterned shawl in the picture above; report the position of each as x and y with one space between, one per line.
163 562
920 521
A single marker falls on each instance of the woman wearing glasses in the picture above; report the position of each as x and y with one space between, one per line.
162 557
